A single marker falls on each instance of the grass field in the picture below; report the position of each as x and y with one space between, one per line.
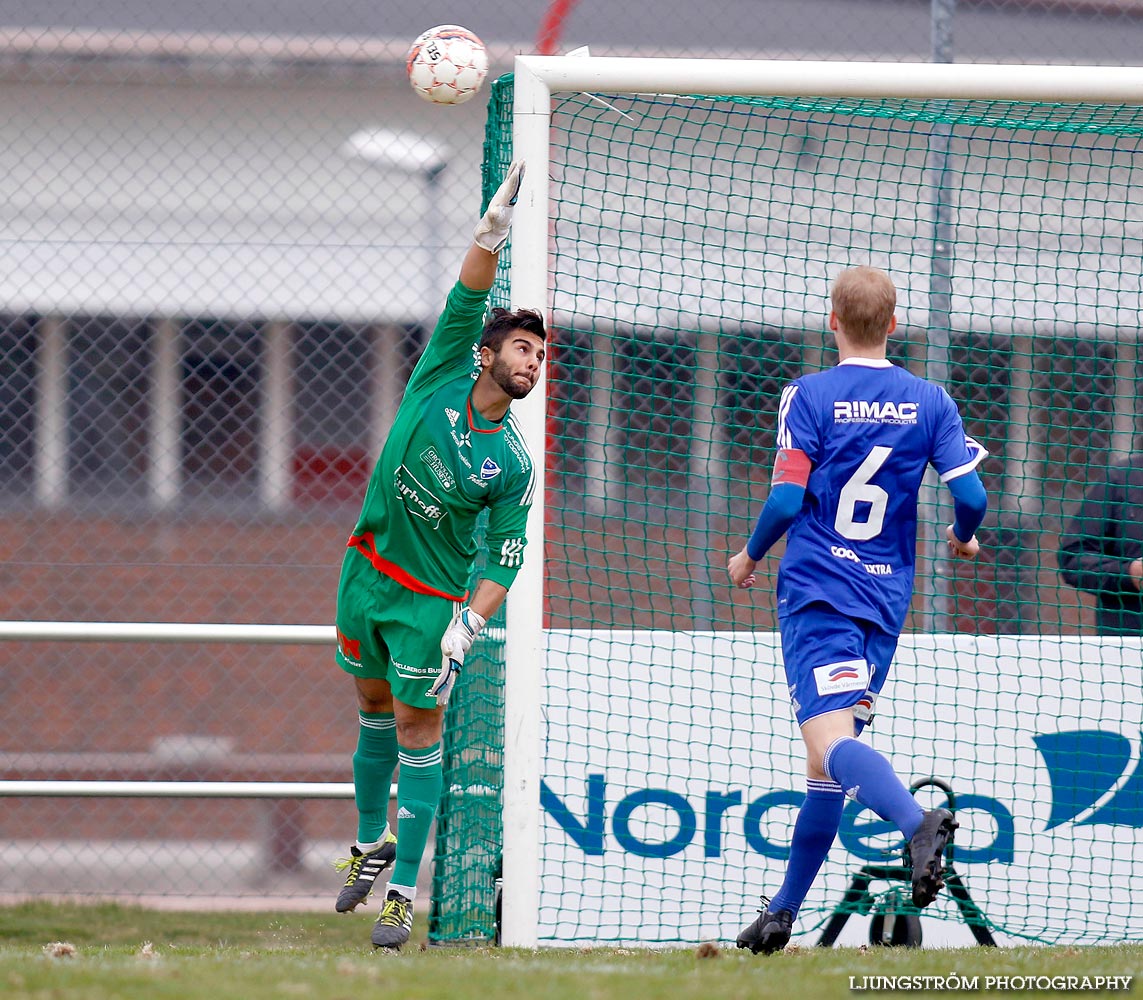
104 951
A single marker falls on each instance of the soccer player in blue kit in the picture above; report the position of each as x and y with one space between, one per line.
853 445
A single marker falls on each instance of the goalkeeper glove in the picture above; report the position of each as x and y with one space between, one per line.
455 643
491 232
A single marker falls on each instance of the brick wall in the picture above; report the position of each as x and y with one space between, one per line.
144 699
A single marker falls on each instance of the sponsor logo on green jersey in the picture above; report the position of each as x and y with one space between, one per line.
430 457
419 500
521 454
462 441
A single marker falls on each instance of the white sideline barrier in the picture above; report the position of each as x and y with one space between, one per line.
673 769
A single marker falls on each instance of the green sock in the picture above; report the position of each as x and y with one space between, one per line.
418 795
373 766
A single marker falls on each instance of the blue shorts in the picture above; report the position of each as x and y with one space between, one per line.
834 662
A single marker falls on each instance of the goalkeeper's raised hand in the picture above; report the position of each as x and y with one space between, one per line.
491 232
455 643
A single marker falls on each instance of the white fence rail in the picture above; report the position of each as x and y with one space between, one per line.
289 635
295 635
181 789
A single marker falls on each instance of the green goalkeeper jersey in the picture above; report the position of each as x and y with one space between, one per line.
442 464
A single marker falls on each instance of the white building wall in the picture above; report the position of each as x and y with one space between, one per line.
227 200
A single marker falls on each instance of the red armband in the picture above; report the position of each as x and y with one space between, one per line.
791 466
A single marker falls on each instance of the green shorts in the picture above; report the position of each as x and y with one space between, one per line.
387 632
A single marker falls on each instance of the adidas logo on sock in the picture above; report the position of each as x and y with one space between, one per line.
404 813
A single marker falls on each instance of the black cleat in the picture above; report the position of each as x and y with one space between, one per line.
363 872
769 933
925 850
395 924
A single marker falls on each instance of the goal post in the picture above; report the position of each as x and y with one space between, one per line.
524 645
664 784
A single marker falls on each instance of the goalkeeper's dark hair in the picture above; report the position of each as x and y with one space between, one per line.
503 322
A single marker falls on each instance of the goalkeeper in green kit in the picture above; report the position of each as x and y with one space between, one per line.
403 624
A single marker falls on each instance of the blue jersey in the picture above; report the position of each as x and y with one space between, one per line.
869 430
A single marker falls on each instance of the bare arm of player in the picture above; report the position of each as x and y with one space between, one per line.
959 549
741 569
487 598
478 269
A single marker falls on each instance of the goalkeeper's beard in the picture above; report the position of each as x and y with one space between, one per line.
509 380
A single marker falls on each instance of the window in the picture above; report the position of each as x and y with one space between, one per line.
755 364
333 386
17 405
220 408
108 368
654 379
571 371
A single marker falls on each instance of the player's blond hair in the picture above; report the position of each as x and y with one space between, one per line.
864 300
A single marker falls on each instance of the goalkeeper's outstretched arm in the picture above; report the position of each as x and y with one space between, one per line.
478 270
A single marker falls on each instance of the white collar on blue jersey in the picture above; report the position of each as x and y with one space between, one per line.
868 362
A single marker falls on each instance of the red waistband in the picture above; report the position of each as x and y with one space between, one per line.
368 548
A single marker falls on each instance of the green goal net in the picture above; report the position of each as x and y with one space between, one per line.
692 242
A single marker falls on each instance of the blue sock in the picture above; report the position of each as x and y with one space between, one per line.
868 777
814 832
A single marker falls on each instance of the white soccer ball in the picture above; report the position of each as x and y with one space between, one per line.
447 64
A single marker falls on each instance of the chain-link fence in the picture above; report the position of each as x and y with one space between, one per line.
225 230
